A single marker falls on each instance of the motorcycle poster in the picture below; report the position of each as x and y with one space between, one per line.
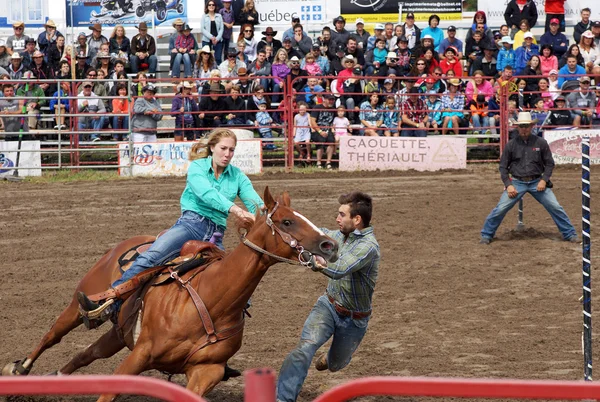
82 13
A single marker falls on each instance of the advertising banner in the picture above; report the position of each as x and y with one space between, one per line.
30 159
278 13
566 145
171 158
402 153
110 13
373 11
495 11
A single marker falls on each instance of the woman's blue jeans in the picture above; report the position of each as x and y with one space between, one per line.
190 226
322 323
546 198
480 123
187 65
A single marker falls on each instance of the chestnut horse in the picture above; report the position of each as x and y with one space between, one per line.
171 329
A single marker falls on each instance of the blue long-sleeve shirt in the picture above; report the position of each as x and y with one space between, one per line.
505 58
436 33
565 75
211 197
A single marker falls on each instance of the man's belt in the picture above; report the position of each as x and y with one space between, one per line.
527 178
341 310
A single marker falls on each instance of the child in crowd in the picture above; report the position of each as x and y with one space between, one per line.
263 122
311 91
494 111
390 117
302 132
311 66
120 106
372 85
506 55
513 117
539 115
434 110
388 87
479 114
341 124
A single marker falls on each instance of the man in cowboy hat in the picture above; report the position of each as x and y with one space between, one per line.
146 115
95 39
16 42
526 167
143 50
178 25
339 34
269 40
48 37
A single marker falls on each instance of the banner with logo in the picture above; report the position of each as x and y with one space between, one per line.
82 13
279 13
566 145
402 153
374 11
495 9
30 159
171 158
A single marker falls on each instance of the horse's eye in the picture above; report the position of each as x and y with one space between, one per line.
287 222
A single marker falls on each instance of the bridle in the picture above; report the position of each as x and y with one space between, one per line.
305 257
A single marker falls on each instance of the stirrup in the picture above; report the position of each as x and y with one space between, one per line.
97 313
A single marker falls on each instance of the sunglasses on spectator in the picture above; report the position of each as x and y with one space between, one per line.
438 74
420 64
91 75
295 62
269 34
211 5
19 29
247 30
393 60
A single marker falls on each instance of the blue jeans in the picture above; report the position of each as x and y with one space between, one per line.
187 65
190 226
413 133
479 122
218 49
134 62
546 198
322 323
92 123
123 124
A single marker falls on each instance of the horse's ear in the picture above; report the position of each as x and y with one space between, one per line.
285 197
268 199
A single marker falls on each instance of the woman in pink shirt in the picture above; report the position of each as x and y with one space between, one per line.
479 86
548 60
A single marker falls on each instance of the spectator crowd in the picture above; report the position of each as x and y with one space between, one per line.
399 80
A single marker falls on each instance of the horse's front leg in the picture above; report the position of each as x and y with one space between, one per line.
202 378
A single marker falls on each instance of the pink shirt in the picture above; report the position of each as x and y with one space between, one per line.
548 64
485 88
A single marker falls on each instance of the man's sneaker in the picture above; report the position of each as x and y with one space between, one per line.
85 303
56 127
321 363
573 239
485 240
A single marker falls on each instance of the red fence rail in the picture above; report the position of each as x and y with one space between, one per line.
462 388
96 385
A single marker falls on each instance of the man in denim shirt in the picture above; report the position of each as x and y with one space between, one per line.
345 309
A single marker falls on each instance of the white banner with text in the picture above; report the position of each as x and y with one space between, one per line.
495 11
402 153
566 145
171 158
30 161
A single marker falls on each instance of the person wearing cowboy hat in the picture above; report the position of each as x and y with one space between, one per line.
339 34
42 70
16 42
143 51
16 67
178 25
95 39
81 66
48 37
269 40
146 115
212 28
184 52
526 166
183 109
212 107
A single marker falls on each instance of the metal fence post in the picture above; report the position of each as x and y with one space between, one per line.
130 136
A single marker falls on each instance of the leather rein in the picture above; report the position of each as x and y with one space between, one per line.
305 258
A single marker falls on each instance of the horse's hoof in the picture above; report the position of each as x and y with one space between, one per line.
10 369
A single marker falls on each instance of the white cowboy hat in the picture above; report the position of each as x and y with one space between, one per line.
524 119
391 55
206 49
187 84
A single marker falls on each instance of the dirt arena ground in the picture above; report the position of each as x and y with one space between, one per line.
444 305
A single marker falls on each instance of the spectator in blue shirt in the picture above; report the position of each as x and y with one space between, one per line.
436 33
570 71
555 38
451 40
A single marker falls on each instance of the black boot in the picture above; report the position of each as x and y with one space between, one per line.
85 303
230 373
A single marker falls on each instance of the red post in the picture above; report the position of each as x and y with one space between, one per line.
259 385
289 105
503 117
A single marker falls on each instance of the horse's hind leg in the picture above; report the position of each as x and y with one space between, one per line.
66 322
106 346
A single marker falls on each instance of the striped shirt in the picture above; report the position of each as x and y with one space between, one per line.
354 274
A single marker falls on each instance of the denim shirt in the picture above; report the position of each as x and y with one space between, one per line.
211 197
205 24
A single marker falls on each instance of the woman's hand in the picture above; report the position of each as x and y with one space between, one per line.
240 213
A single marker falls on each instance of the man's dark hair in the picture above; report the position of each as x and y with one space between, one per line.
360 204
571 56
351 37
586 9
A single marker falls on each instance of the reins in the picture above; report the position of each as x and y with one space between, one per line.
305 258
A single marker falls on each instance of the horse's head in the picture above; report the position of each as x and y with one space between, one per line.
293 237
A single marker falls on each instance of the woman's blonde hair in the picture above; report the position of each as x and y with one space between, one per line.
114 32
201 149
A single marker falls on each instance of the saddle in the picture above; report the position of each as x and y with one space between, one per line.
195 255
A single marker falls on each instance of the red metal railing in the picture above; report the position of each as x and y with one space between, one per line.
96 385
